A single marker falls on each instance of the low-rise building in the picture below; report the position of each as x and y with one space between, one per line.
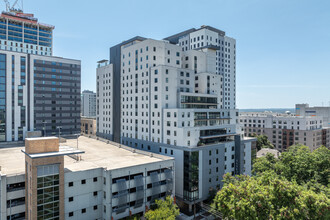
88 126
98 180
264 151
285 130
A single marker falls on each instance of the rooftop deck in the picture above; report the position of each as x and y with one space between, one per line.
97 154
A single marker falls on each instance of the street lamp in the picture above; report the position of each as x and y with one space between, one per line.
78 135
44 122
59 133
77 145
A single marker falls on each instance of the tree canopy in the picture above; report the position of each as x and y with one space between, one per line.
269 197
298 164
294 186
165 209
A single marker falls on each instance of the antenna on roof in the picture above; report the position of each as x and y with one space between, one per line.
16 6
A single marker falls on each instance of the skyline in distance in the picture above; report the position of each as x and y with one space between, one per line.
282 47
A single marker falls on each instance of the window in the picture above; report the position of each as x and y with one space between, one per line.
70 199
70 214
83 211
95 179
70 184
95 207
95 193
83 181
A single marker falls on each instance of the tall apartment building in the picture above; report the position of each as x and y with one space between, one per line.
225 56
156 96
37 92
304 110
285 130
106 181
88 103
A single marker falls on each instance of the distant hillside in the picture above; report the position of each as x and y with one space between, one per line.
278 110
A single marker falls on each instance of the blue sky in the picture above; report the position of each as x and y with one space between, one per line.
283 46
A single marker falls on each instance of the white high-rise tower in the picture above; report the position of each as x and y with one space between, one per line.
160 96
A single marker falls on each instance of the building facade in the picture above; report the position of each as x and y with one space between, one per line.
285 130
88 126
172 102
225 56
38 91
48 181
305 110
88 103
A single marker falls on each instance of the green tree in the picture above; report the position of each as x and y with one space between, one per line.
266 163
298 164
165 209
267 197
263 142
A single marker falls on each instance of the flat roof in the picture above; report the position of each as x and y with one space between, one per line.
264 151
97 154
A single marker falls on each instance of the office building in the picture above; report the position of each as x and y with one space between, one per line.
285 130
21 32
321 111
171 102
88 103
37 91
105 181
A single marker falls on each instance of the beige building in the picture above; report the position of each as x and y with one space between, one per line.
285 130
88 126
100 180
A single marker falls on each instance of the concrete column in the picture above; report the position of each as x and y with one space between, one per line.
3 197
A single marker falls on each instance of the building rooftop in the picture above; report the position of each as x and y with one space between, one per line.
25 17
264 151
174 39
97 154
275 115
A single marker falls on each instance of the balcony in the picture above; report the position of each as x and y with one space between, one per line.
211 122
209 137
193 101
